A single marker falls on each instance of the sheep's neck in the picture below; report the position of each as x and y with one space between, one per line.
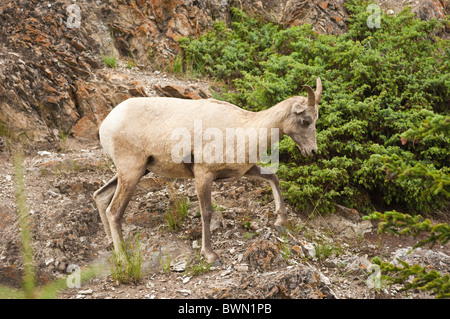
268 119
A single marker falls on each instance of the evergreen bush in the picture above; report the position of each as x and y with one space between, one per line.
383 130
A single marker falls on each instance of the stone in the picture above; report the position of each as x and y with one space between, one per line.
216 221
90 99
86 292
137 90
348 225
172 90
179 266
298 283
261 255
44 153
41 77
298 250
423 257
308 249
348 213
196 245
184 292
86 128
241 267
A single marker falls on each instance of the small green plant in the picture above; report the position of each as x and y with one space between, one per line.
151 54
177 211
131 63
43 170
76 166
127 267
177 66
248 235
216 207
64 137
286 251
5 131
246 221
201 265
325 249
110 61
29 282
165 263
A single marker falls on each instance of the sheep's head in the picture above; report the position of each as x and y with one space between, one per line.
300 123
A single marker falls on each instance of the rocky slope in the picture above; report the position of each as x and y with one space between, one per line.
321 257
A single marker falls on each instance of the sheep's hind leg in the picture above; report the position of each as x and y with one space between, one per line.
264 174
126 184
103 198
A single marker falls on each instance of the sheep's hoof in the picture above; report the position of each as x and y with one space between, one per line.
281 229
216 263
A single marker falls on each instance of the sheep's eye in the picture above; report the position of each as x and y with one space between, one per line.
306 123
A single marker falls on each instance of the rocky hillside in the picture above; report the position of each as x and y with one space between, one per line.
321 257
52 78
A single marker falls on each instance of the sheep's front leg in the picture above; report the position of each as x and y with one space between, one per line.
264 174
203 183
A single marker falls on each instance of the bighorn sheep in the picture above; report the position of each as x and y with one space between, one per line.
138 136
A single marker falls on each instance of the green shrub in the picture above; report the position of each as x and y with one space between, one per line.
383 126
413 276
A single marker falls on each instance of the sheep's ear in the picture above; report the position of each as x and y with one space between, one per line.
298 107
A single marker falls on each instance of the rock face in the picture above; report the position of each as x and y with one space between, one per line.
424 9
429 9
192 93
51 51
148 30
324 16
44 68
